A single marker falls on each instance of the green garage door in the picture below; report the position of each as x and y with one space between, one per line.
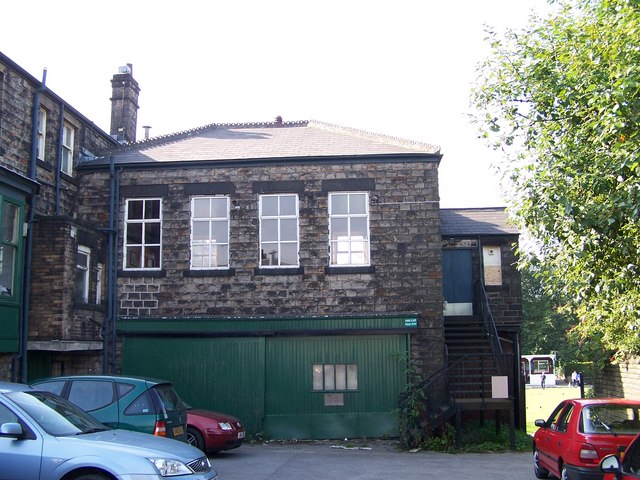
334 387
305 387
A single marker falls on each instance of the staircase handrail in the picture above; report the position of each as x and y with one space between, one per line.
490 325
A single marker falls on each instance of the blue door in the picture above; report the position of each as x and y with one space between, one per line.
457 282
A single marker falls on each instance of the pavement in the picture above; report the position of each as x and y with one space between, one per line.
372 460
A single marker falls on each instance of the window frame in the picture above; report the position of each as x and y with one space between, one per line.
13 244
67 146
334 245
209 242
85 271
143 245
323 372
279 242
42 134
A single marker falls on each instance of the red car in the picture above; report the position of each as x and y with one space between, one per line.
579 433
214 432
626 469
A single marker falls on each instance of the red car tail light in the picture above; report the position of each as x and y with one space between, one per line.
160 429
589 454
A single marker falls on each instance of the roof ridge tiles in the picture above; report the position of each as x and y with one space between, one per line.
184 133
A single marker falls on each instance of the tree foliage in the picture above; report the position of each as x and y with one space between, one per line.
562 99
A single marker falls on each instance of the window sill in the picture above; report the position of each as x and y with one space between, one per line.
229 272
141 273
278 271
350 270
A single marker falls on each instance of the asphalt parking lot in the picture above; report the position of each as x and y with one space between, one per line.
375 460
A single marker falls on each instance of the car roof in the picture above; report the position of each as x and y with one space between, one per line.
130 378
7 387
600 401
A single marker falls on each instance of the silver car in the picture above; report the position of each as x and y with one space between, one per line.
43 436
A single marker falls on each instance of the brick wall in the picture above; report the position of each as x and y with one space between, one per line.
621 380
405 248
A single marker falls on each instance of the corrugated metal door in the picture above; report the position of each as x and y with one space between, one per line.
221 374
293 409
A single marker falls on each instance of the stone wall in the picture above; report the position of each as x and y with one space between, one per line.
622 380
404 232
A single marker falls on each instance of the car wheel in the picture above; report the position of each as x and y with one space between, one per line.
195 438
537 469
93 476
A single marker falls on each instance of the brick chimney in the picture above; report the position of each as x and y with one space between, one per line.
124 105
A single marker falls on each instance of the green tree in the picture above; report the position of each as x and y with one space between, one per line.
562 99
547 327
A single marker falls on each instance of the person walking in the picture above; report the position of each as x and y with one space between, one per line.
542 379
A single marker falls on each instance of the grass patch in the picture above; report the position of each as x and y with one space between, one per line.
479 437
541 402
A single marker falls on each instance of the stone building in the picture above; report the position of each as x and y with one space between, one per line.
47 307
290 273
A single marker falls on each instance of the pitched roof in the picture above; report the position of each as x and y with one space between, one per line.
475 221
224 142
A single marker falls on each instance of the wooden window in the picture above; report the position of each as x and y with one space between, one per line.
143 234
209 232
349 228
279 230
68 142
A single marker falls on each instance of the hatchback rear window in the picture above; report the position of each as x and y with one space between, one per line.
169 398
611 418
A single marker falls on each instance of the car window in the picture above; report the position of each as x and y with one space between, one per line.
54 414
610 418
631 460
6 415
170 399
54 386
91 394
143 405
124 388
552 422
563 420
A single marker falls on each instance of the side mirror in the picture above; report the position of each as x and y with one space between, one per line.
540 423
10 430
610 464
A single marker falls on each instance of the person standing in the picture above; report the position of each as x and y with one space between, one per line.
542 379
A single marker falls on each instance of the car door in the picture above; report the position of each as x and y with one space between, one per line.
98 397
20 459
554 437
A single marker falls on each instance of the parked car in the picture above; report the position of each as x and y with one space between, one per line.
131 403
579 433
43 436
214 432
626 469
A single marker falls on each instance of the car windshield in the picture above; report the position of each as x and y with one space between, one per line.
55 415
170 398
611 418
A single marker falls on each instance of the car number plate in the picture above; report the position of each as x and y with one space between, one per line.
177 431
241 434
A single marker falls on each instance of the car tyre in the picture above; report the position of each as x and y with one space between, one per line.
195 438
537 469
93 476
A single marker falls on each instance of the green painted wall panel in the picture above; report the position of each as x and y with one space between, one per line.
9 328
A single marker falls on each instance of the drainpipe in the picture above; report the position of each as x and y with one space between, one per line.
28 255
109 328
59 154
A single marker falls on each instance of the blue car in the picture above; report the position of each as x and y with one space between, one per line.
43 436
